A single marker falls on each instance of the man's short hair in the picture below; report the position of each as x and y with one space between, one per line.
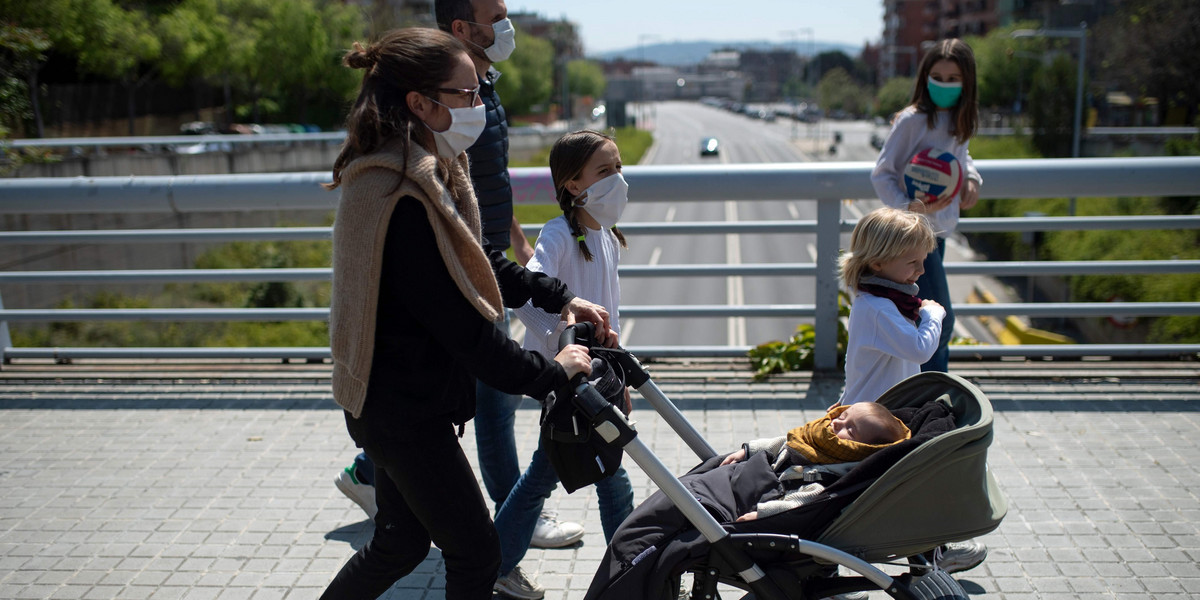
449 11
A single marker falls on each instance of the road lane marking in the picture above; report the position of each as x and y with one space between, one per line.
734 287
812 251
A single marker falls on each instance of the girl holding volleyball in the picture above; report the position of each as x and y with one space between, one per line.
943 114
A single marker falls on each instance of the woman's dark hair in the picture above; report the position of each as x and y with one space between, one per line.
568 157
964 117
415 59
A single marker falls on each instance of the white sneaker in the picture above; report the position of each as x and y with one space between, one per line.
961 556
516 584
552 533
361 493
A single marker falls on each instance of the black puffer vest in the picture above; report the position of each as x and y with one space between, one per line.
489 167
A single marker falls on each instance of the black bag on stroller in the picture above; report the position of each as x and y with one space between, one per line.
575 451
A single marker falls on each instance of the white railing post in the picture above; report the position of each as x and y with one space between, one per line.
829 215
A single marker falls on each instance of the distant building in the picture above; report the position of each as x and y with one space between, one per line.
767 71
911 26
562 34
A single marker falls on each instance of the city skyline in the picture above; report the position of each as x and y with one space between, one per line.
623 24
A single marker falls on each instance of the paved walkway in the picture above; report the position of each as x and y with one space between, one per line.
215 481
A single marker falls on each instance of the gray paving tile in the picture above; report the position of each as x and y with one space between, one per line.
222 490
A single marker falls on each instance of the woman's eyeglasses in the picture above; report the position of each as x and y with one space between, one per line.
473 94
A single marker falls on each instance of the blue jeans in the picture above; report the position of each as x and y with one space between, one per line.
934 287
519 514
495 442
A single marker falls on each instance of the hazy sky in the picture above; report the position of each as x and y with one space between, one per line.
614 24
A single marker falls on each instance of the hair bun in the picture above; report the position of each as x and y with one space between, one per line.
361 58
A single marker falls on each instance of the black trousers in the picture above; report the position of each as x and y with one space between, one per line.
426 491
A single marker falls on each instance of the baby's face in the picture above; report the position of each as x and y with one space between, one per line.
857 425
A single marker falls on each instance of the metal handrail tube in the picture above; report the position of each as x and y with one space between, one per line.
1080 309
1073 267
164 314
1022 178
1075 350
179 140
158 236
319 353
1141 267
126 236
166 276
1111 223
1046 309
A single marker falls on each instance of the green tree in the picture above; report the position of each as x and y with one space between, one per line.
1149 48
839 91
119 42
1052 108
1004 64
585 78
22 51
528 75
893 96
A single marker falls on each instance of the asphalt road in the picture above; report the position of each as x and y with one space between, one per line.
678 129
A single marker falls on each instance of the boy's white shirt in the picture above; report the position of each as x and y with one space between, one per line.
911 134
885 348
557 254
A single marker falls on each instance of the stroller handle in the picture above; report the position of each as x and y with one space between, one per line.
584 334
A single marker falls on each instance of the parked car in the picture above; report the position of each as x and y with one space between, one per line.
709 146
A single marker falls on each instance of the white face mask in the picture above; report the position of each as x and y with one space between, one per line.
605 200
465 126
504 40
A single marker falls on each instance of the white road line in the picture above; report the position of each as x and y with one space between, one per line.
812 251
793 210
628 324
734 288
670 214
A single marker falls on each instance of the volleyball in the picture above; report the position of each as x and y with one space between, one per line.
933 172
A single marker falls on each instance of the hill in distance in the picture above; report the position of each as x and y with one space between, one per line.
690 53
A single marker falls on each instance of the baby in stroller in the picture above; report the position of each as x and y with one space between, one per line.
798 484
826 447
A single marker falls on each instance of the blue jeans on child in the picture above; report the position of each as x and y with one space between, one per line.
934 287
519 514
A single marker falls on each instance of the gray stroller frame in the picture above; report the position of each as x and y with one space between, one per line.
779 566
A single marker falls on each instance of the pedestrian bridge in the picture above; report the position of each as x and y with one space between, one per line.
207 473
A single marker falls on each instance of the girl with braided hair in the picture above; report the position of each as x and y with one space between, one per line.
582 248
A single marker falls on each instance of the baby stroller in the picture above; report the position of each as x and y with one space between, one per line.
899 504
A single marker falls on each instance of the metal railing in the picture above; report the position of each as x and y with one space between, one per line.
825 183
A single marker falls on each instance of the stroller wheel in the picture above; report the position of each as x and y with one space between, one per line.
937 585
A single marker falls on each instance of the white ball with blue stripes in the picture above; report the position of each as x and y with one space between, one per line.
934 172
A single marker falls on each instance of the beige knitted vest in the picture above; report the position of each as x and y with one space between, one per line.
369 195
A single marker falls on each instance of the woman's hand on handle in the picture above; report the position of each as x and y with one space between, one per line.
574 360
579 309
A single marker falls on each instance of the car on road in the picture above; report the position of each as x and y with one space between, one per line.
709 146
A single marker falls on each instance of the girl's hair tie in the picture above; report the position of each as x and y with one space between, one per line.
580 237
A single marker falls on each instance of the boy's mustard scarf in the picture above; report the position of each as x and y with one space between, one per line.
817 443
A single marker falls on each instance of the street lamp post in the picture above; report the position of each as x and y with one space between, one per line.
812 53
1080 33
642 79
